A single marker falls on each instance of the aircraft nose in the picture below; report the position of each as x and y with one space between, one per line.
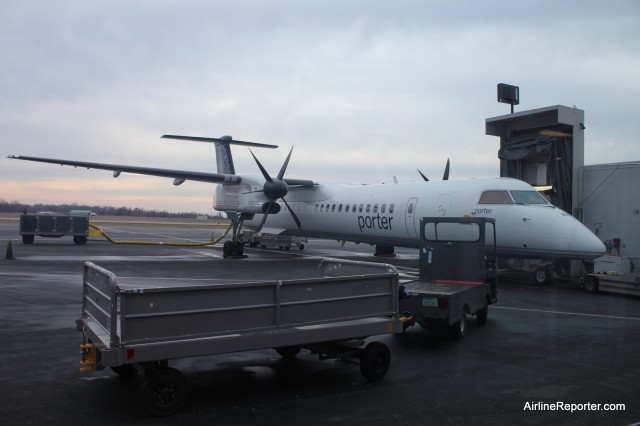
585 243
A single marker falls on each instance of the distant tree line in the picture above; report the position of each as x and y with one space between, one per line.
18 207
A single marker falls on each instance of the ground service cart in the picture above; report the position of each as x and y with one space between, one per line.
135 325
457 274
267 240
56 226
613 274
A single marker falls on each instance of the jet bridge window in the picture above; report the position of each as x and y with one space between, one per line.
528 197
495 197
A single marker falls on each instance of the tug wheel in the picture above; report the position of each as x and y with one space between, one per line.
459 329
590 285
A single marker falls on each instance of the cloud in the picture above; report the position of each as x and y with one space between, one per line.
364 90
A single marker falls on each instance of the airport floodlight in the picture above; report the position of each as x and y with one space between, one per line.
508 94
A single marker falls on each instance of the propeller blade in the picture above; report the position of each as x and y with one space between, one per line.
262 169
446 171
295 218
264 217
426 179
284 166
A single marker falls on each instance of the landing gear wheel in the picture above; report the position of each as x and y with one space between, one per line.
459 329
542 275
232 249
164 392
374 361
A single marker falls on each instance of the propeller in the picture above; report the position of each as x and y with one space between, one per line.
444 177
275 189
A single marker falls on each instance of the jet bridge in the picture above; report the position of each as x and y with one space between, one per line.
545 148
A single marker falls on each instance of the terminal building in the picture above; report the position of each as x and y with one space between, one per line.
545 148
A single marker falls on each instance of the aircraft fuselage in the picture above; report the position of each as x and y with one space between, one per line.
527 225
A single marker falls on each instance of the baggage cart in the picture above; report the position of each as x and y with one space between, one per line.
133 325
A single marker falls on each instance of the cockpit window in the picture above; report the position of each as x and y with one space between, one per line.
495 197
528 197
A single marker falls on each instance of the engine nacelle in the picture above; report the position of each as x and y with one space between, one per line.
275 208
241 199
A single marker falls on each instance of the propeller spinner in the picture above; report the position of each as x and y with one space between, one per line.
275 189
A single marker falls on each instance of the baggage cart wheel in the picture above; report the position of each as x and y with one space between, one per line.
80 240
27 239
288 351
126 370
374 361
164 392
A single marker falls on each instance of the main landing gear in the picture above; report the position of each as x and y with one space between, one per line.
235 247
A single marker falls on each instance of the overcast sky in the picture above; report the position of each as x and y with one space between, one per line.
365 90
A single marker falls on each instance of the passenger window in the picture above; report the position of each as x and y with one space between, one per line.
383 208
316 208
391 208
339 208
333 208
410 208
360 208
495 197
375 208
368 208
346 208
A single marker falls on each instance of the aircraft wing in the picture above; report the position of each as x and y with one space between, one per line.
179 176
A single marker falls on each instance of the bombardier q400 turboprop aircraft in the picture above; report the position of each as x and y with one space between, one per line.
385 215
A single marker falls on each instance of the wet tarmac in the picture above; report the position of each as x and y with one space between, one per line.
540 346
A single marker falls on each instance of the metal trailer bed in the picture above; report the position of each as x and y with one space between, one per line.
54 226
131 328
457 275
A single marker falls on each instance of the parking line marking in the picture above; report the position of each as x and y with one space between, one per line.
566 313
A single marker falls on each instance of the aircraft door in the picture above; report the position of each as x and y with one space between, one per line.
410 218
